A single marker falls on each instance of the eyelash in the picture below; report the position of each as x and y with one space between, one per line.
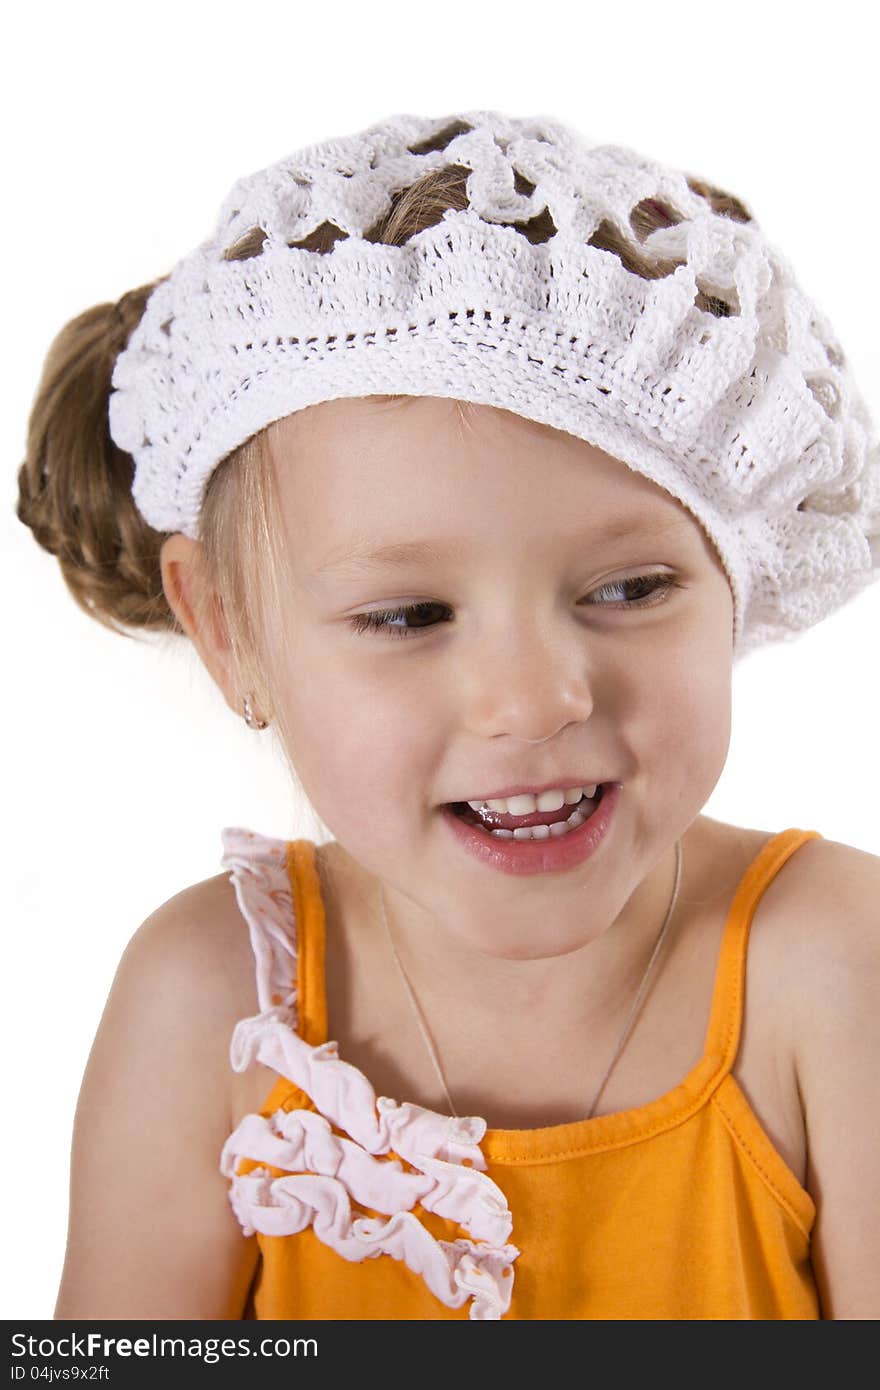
375 622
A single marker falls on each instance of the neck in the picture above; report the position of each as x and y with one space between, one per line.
595 981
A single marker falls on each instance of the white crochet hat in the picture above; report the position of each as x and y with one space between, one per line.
718 379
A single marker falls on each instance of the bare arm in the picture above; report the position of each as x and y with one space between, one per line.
838 1065
151 1232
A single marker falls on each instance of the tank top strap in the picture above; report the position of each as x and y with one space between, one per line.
725 1019
278 893
308 907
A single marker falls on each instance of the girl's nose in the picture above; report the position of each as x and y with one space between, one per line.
529 686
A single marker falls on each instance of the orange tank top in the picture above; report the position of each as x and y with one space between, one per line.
364 1207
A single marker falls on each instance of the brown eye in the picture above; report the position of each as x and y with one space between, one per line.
639 591
389 620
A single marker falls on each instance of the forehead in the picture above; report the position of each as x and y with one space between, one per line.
355 468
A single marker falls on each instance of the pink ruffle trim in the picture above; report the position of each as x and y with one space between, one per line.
327 1171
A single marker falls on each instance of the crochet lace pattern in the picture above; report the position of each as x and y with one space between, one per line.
328 1177
585 286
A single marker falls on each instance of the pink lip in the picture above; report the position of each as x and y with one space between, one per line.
538 856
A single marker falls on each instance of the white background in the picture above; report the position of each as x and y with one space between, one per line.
124 128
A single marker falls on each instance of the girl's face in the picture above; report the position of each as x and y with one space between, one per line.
529 661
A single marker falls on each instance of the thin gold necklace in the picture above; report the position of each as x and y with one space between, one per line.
420 1018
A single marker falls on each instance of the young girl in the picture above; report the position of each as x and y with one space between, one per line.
472 456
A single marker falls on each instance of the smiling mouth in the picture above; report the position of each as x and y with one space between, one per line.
495 820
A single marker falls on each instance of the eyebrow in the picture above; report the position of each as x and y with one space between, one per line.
361 557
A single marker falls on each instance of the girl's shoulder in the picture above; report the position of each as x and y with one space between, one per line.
203 940
823 905
825 910
820 912
822 874
825 945
810 1014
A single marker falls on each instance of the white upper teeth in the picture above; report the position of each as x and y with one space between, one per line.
527 803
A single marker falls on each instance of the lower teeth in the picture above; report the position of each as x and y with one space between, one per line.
581 812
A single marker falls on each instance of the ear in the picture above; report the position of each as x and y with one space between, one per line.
199 612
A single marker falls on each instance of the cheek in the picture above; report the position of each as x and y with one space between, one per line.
357 740
688 711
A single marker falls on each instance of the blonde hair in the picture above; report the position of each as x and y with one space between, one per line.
75 483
